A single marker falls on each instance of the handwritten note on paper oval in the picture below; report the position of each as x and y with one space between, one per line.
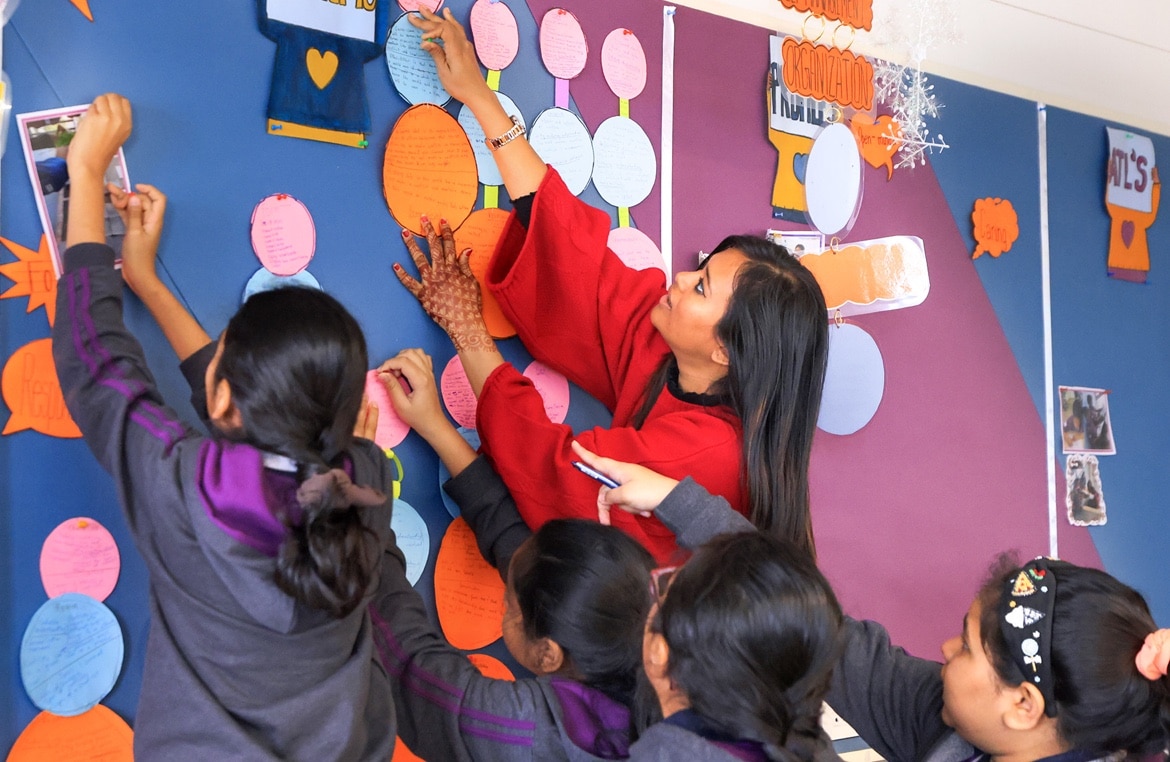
458 397
562 140
33 393
625 166
497 39
871 276
412 70
283 234
264 280
429 169
391 428
562 44
80 556
490 666
623 62
97 734
471 436
553 388
469 594
71 654
855 380
489 173
413 537
481 233
832 180
636 249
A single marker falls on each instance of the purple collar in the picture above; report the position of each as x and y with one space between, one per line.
593 721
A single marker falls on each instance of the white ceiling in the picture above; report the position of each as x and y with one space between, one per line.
1110 60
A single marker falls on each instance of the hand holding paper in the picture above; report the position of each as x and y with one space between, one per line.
102 131
455 61
641 489
142 214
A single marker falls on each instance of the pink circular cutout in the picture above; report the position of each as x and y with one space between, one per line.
496 36
623 62
414 5
80 556
562 44
457 394
283 235
635 249
391 429
553 388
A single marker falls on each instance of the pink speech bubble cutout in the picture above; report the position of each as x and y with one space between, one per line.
391 429
563 50
553 388
80 556
457 394
635 249
623 62
283 235
497 38
414 5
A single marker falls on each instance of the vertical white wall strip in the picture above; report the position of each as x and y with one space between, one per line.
666 184
1046 289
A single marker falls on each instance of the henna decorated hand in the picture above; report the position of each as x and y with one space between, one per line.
446 287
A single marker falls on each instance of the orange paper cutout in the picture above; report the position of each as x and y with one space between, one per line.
321 66
403 754
1129 247
95 734
83 6
33 393
827 74
33 275
469 594
884 270
996 226
480 233
876 140
855 13
490 666
429 169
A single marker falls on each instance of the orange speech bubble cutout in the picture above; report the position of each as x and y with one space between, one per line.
429 169
83 6
33 393
32 272
876 139
95 734
996 226
490 666
469 594
871 276
480 233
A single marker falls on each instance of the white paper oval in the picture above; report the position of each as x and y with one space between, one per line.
412 70
854 381
485 163
624 166
562 140
832 180
413 537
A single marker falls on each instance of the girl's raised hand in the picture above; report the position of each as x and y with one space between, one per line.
142 213
458 68
641 490
101 132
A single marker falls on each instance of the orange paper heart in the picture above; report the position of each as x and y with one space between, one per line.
322 66
876 140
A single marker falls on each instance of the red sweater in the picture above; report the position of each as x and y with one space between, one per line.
580 310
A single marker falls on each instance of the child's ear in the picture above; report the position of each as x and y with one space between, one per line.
719 355
656 656
550 657
1026 710
221 409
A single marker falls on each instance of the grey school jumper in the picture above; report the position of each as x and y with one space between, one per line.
235 669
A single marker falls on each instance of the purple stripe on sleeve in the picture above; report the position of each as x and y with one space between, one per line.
494 736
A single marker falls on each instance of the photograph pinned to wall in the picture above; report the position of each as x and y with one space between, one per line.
1085 499
45 137
798 242
1084 421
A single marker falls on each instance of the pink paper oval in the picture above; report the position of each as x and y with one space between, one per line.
623 62
414 5
493 28
562 44
80 556
553 388
457 394
391 429
635 249
283 235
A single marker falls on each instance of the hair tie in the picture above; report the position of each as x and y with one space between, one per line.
1025 619
1154 656
334 490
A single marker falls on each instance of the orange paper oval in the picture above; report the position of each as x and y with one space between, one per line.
480 233
96 734
490 666
429 169
33 393
403 754
469 594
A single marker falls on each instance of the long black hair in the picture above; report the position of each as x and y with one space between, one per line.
1103 704
586 586
754 632
776 335
296 362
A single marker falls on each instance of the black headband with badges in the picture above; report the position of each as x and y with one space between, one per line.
1025 618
